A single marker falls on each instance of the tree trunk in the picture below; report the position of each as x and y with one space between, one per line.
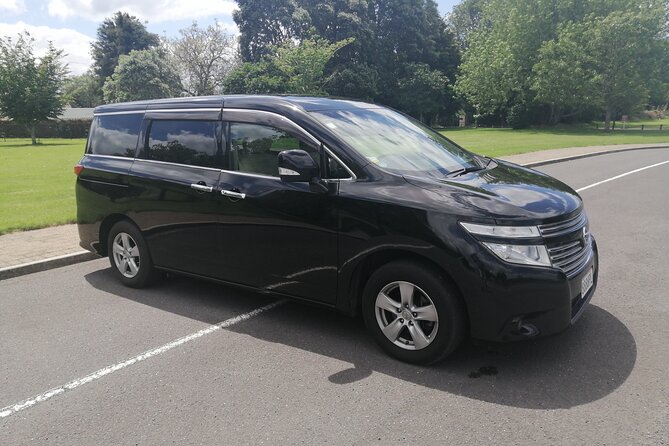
32 134
556 115
607 118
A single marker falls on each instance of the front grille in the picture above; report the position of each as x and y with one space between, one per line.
569 243
572 256
564 227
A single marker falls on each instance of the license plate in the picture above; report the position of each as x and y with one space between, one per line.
586 283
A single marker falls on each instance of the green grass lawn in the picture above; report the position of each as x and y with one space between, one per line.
37 183
501 142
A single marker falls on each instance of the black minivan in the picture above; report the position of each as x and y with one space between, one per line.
346 204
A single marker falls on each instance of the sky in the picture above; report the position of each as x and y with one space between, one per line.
71 24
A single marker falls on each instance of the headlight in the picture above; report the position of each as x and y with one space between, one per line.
502 231
521 254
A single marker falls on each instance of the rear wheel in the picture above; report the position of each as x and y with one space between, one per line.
129 255
413 313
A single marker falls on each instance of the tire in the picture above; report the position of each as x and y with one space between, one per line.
129 255
433 324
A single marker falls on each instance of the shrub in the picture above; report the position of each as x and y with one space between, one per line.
517 117
76 128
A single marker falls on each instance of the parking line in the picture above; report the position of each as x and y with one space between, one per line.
25 404
620 176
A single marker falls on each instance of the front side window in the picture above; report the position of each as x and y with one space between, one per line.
115 135
184 142
397 143
334 170
254 148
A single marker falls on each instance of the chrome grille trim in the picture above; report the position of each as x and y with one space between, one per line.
571 257
564 227
565 252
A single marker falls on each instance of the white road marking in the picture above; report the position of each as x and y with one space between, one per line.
620 176
25 404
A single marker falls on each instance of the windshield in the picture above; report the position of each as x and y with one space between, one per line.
397 143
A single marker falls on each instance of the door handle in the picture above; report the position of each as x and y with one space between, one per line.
233 194
202 187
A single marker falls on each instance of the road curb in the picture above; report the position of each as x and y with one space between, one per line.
46 264
588 155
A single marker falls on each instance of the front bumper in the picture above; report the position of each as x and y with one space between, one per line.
522 303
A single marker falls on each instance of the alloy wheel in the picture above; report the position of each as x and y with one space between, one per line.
406 315
126 255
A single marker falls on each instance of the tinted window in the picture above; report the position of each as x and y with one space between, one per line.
183 142
335 170
254 148
115 134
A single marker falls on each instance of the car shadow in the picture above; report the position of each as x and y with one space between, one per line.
583 364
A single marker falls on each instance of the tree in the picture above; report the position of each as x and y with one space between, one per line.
30 87
144 74
611 62
264 25
358 80
303 65
486 74
388 38
82 91
466 18
292 68
117 36
425 93
555 57
203 58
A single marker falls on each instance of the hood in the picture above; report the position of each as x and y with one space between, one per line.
506 192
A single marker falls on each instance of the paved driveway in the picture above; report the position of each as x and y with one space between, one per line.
91 362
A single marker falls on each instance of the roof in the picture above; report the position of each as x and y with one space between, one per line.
272 103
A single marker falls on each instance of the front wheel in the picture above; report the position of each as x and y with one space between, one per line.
413 312
129 255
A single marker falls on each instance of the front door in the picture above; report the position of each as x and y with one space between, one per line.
274 235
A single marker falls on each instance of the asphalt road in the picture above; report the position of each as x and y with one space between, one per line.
295 374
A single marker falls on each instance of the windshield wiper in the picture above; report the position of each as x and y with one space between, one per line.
457 173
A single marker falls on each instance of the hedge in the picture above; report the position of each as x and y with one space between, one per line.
75 128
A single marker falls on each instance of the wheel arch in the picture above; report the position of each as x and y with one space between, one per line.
377 259
106 226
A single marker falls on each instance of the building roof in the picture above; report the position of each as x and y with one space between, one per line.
68 114
72 113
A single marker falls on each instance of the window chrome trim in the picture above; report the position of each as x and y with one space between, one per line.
127 112
114 157
250 174
176 110
315 140
177 164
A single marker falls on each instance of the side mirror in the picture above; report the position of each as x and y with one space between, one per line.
296 166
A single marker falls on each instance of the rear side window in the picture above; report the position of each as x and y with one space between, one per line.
115 135
184 142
